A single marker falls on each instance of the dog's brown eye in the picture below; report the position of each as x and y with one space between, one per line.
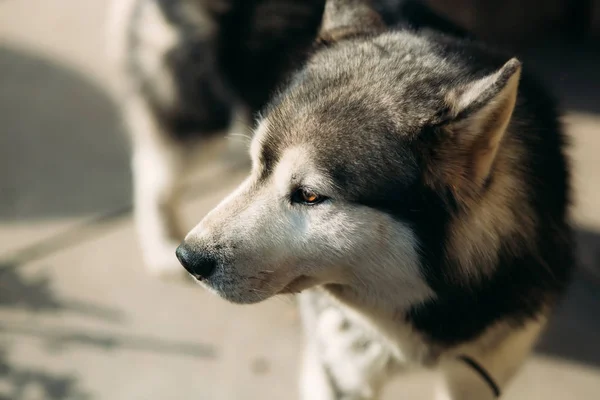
306 196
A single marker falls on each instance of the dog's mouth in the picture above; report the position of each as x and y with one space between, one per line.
298 284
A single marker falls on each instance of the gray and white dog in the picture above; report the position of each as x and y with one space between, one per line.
410 185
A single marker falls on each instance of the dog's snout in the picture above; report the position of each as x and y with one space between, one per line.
200 264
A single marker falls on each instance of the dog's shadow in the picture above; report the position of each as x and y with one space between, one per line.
574 330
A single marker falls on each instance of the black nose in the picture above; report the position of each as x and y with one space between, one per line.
197 263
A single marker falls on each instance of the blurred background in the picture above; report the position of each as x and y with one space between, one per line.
80 319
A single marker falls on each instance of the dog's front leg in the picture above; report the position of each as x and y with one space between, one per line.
157 166
315 384
342 361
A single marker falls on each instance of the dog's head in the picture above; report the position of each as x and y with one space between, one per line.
359 166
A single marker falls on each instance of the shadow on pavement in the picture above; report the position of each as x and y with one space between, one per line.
36 295
574 330
19 381
62 149
59 338
26 383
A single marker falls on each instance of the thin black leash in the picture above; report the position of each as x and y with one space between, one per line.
482 372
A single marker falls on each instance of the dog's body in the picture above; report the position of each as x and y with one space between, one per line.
411 185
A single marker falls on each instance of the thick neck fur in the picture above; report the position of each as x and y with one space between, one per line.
379 316
507 253
505 257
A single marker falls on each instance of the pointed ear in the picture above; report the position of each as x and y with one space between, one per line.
347 18
479 115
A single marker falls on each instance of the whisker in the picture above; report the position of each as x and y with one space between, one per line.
242 135
285 298
258 291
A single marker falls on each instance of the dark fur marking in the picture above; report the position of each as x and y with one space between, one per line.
262 41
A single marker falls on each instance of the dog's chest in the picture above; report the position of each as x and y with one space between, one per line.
345 335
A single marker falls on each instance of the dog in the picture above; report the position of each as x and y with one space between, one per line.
409 184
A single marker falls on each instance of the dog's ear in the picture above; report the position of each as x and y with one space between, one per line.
477 117
349 18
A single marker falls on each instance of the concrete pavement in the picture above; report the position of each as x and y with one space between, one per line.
78 317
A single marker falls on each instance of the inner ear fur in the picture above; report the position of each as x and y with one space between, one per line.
479 114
